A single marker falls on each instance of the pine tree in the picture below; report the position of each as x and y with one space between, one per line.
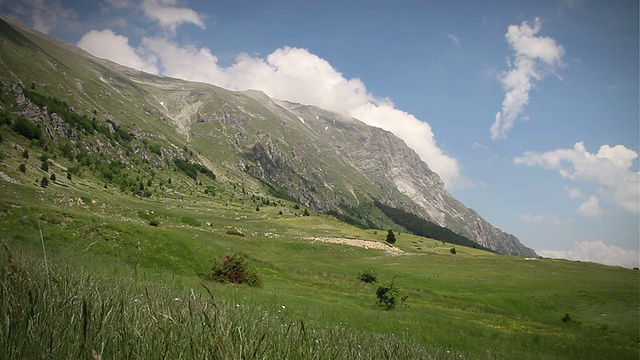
391 237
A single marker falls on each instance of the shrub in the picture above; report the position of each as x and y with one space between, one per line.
389 295
44 182
567 318
368 275
453 250
23 168
234 269
391 237
25 128
45 165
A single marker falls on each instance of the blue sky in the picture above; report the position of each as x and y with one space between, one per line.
528 110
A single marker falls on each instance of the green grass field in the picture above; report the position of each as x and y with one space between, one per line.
113 280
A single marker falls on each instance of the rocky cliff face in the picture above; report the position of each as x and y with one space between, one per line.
393 167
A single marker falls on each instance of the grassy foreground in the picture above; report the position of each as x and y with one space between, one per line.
112 282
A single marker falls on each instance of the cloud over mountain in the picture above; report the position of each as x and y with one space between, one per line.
609 168
596 251
108 45
288 73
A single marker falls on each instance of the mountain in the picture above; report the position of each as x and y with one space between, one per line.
118 124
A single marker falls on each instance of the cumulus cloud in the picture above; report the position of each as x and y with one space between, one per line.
170 16
535 57
596 251
108 45
610 168
591 207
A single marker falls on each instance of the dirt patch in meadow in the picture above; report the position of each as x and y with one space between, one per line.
367 244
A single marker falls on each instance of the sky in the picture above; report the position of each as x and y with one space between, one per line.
528 110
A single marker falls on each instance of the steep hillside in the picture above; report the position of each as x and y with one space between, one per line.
138 128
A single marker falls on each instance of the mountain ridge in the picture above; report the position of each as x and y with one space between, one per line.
322 159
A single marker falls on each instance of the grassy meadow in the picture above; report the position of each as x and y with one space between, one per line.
110 284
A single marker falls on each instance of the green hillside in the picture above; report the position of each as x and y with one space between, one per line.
119 196
474 304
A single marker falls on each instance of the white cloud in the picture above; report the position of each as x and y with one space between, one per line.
188 62
454 39
108 45
596 251
170 16
44 15
574 193
535 57
591 207
610 168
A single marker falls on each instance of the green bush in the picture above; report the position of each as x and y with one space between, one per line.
391 237
567 318
368 275
234 269
389 295
25 128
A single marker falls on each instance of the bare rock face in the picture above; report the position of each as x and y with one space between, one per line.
400 177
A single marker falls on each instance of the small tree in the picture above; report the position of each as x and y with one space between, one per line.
23 168
45 165
391 237
234 269
368 275
389 295
53 177
44 182
453 250
25 154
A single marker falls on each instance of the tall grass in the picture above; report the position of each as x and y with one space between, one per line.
75 314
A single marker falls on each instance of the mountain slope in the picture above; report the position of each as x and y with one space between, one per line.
319 158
